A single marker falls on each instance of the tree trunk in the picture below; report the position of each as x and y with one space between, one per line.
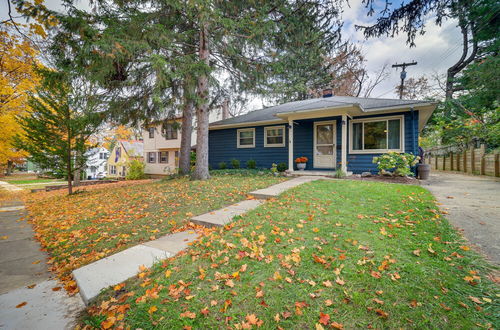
201 170
68 168
9 167
225 109
187 127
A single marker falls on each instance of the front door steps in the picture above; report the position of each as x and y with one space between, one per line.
93 278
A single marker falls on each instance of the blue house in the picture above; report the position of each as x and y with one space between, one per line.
332 131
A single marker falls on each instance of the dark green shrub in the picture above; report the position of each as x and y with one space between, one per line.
251 164
222 165
282 167
235 163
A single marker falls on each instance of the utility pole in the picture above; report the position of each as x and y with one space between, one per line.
403 75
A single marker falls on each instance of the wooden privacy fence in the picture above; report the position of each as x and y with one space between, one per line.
472 160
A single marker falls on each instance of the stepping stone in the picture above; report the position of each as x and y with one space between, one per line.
93 278
173 243
277 189
225 215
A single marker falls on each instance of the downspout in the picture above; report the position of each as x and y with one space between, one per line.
415 143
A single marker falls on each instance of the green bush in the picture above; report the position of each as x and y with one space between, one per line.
235 163
192 158
135 170
282 167
251 164
396 163
222 165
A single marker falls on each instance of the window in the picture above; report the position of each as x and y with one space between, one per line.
112 169
151 131
170 131
163 157
246 138
274 136
151 157
376 135
176 158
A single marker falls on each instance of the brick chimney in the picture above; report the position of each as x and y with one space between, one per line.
328 92
225 109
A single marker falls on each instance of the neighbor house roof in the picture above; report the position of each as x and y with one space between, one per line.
365 105
133 148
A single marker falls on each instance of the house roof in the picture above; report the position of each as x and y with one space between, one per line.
271 113
133 148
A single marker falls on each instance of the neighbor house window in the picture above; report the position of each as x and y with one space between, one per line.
151 157
170 131
163 157
246 138
274 136
151 131
376 135
176 158
112 169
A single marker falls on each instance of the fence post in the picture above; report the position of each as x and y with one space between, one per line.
436 162
497 165
451 161
465 161
482 170
472 160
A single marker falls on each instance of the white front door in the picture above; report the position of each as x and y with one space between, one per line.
325 149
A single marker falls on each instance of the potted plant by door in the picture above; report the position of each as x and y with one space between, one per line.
301 163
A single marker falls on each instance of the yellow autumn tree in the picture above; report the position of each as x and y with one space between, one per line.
18 64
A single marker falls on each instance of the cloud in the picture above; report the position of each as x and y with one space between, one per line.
435 51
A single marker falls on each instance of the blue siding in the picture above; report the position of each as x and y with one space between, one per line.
222 144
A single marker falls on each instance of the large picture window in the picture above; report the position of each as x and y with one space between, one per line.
274 136
246 138
375 135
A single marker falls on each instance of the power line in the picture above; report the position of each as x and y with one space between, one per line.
403 75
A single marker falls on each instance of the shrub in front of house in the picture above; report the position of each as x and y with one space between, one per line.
235 163
222 165
282 167
251 164
394 163
135 170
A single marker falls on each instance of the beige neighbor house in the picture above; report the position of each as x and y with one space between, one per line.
121 155
162 142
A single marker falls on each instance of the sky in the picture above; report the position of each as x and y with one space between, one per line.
435 51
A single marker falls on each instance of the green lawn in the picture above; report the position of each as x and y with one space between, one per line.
338 254
102 220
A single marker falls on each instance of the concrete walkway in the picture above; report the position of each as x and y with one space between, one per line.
275 190
9 187
119 267
473 203
23 266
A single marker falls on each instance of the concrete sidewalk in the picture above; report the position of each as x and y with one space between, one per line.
24 278
473 204
9 187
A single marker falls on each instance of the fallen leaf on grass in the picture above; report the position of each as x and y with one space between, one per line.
381 313
416 252
188 314
152 309
337 325
324 318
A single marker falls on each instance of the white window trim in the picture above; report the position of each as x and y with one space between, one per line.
374 119
238 137
274 145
